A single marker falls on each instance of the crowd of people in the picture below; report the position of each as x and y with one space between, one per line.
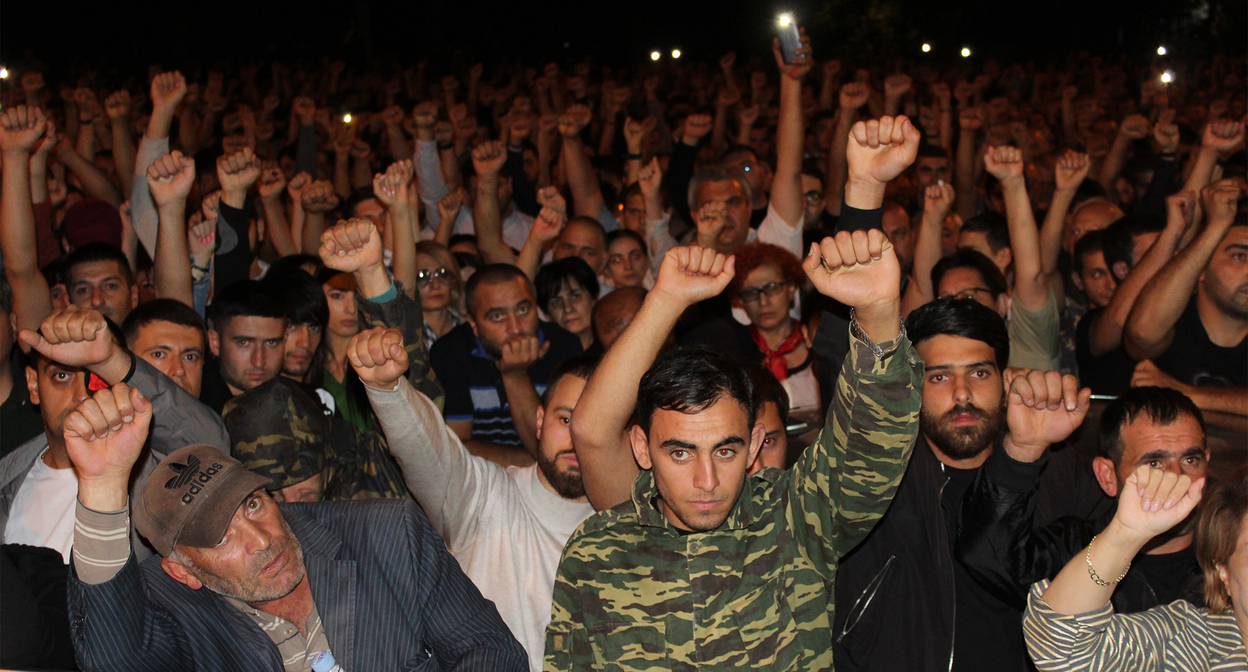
505 368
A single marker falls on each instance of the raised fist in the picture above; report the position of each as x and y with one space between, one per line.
351 245
897 85
691 274
879 150
971 118
574 120
237 173
1044 408
1004 162
1223 135
1070 170
696 127
272 182
319 197
117 106
853 95
170 178
488 157
168 88
378 356
857 269
20 128
104 435
1135 127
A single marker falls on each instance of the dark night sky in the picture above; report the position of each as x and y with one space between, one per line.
130 33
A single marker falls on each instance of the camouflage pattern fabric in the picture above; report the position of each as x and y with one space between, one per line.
403 313
632 593
278 431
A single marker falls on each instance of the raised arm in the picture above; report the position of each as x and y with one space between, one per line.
167 91
549 223
602 416
786 186
21 128
117 106
1134 127
853 96
1031 284
271 186
1069 171
169 179
582 181
965 167
391 189
936 205
488 159
1150 326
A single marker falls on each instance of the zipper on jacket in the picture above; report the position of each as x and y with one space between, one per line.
940 506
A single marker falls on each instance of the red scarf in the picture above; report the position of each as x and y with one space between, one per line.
774 360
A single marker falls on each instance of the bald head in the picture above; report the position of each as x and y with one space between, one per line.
583 237
1092 215
614 312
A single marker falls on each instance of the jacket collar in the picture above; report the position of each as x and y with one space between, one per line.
646 502
332 579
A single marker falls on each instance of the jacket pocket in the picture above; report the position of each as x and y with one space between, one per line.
627 646
863 603
765 621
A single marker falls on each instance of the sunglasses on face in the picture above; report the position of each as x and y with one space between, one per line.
426 276
813 195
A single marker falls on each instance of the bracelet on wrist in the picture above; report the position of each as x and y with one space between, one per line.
1096 578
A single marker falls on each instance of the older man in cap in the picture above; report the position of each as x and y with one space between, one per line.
247 584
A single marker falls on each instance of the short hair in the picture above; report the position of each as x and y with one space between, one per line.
1161 405
627 233
1217 531
961 317
98 251
965 257
994 227
1087 190
690 379
162 310
930 151
551 279
294 262
6 298
357 197
757 254
770 390
811 167
581 366
717 174
491 274
1088 243
737 150
300 295
1119 237
592 223
243 298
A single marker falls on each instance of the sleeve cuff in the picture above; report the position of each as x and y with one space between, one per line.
1010 474
101 543
853 219
389 295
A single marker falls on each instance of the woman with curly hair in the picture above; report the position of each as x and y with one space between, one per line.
765 286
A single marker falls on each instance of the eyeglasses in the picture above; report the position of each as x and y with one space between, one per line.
770 289
971 294
814 195
425 277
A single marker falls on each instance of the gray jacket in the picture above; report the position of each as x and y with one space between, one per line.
178 420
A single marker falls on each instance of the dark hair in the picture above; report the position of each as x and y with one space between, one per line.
1087 190
162 310
357 197
1092 241
1161 405
735 150
965 257
581 366
492 274
553 277
961 317
98 251
930 151
591 223
6 300
994 227
690 379
717 174
770 390
54 272
293 262
300 295
243 298
627 233
1119 240
811 167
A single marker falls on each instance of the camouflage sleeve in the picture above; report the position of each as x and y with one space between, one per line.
567 642
845 481
403 313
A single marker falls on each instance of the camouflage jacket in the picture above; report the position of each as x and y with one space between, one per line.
633 593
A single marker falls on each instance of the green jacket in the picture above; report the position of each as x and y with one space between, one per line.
634 594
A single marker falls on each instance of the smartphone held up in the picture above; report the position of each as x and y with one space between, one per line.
790 38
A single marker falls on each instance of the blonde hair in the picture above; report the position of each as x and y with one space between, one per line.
1221 523
446 258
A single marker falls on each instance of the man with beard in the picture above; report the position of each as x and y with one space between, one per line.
505 526
1189 326
368 582
903 602
1001 547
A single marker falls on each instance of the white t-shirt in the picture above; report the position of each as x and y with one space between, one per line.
43 510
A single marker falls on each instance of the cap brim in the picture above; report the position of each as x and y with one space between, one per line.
213 518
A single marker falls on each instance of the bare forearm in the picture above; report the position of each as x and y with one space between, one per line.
1150 326
926 254
1114 162
313 226
403 224
838 163
1106 332
361 173
1073 591
400 148
523 402
124 154
1051 232
964 174
342 176
278 228
31 299
1223 399
586 198
786 188
94 181
172 267
1031 285
488 222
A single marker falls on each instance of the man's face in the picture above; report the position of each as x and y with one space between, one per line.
579 239
736 212
57 390
250 350
556 458
699 461
775 441
372 210
175 350
634 216
813 197
897 228
755 172
308 490
502 311
928 170
627 263
102 285
1178 447
1096 280
963 396
302 340
258 560
966 283
614 313
1225 280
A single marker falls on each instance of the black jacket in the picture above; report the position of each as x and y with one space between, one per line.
896 592
1000 544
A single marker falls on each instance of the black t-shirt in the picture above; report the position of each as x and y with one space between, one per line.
20 420
1167 574
1194 359
474 385
988 634
1108 374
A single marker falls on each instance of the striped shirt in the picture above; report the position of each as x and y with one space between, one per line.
1176 637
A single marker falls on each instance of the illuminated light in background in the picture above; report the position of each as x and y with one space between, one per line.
654 55
926 47
346 118
675 53
4 73
1167 77
786 19
966 52
1161 51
